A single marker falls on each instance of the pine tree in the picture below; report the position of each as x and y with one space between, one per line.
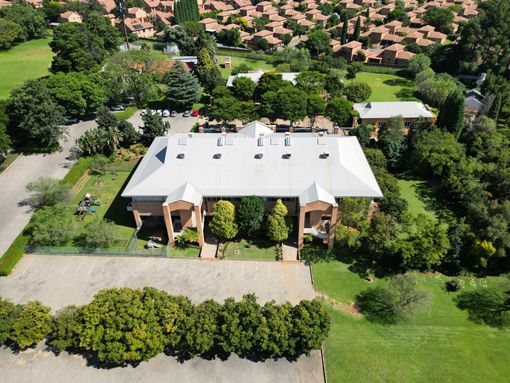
345 28
451 115
357 29
277 229
186 10
223 220
183 88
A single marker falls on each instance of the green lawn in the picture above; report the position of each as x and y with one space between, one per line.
439 345
23 62
191 251
254 64
387 87
127 113
411 190
257 249
11 157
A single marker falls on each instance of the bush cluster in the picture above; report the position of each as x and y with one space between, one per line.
124 325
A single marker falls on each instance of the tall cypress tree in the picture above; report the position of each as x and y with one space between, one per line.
345 28
451 115
357 29
183 87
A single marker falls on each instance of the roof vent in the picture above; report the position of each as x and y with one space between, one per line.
287 155
190 135
180 156
217 156
259 155
260 141
321 133
287 141
325 155
221 140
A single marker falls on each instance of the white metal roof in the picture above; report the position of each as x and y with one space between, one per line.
305 165
406 109
255 76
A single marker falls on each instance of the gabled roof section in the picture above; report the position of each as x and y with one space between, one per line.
186 193
255 129
316 193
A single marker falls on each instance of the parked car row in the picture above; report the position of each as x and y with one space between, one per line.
173 113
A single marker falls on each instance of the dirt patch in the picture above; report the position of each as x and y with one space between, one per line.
347 308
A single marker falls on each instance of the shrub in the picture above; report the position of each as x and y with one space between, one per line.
8 312
452 285
47 191
31 325
64 328
97 235
51 226
187 237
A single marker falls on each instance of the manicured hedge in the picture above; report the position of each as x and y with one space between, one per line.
78 170
13 254
126 326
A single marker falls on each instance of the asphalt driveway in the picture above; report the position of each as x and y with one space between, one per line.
59 280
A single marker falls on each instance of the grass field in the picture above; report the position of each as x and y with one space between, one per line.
23 62
254 64
127 113
257 249
410 191
387 87
439 345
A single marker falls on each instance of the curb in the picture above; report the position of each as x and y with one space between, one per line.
12 163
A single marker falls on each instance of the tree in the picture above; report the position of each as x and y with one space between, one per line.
451 114
364 134
392 140
65 329
434 88
5 139
223 221
315 106
340 111
98 140
83 46
201 337
36 120
31 21
490 306
439 18
154 126
311 82
9 33
357 29
244 88
47 191
129 135
418 63
357 91
186 10
78 93
353 69
291 104
263 44
32 325
310 326
345 29
277 229
230 37
318 42
51 226
8 313
388 305
249 215
97 235
426 244
183 88
204 62
225 108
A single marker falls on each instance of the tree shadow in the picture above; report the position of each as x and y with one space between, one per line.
117 212
429 193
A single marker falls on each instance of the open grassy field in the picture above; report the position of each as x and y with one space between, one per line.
23 62
254 64
387 87
439 345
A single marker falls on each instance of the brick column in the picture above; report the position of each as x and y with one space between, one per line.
332 226
301 227
138 219
200 229
168 223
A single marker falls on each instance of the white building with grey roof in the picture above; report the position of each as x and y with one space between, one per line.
183 175
378 113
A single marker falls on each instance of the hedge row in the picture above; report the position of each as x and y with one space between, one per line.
125 325
13 254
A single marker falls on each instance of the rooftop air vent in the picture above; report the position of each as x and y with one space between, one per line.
221 140
217 156
287 141
260 141
287 155
180 156
259 155
325 155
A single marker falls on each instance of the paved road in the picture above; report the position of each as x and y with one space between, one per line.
26 168
13 217
62 280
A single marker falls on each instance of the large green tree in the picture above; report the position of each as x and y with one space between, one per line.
277 228
52 226
36 121
244 88
154 126
223 223
249 215
318 42
392 140
440 18
183 88
83 46
339 110
9 33
451 114
32 22
32 325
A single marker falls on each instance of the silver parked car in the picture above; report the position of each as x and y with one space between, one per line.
186 113
173 114
166 113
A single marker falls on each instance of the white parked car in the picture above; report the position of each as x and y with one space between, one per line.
118 108
159 111
166 113
143 112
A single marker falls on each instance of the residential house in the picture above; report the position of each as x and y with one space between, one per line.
70 17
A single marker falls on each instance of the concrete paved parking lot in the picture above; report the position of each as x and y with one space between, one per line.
61 280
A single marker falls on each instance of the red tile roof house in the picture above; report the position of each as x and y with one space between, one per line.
394 55
70 17
350 50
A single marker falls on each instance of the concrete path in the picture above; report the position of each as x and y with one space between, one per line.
25 169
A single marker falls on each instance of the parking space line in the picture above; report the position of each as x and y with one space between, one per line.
242 272
256 270
229 269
